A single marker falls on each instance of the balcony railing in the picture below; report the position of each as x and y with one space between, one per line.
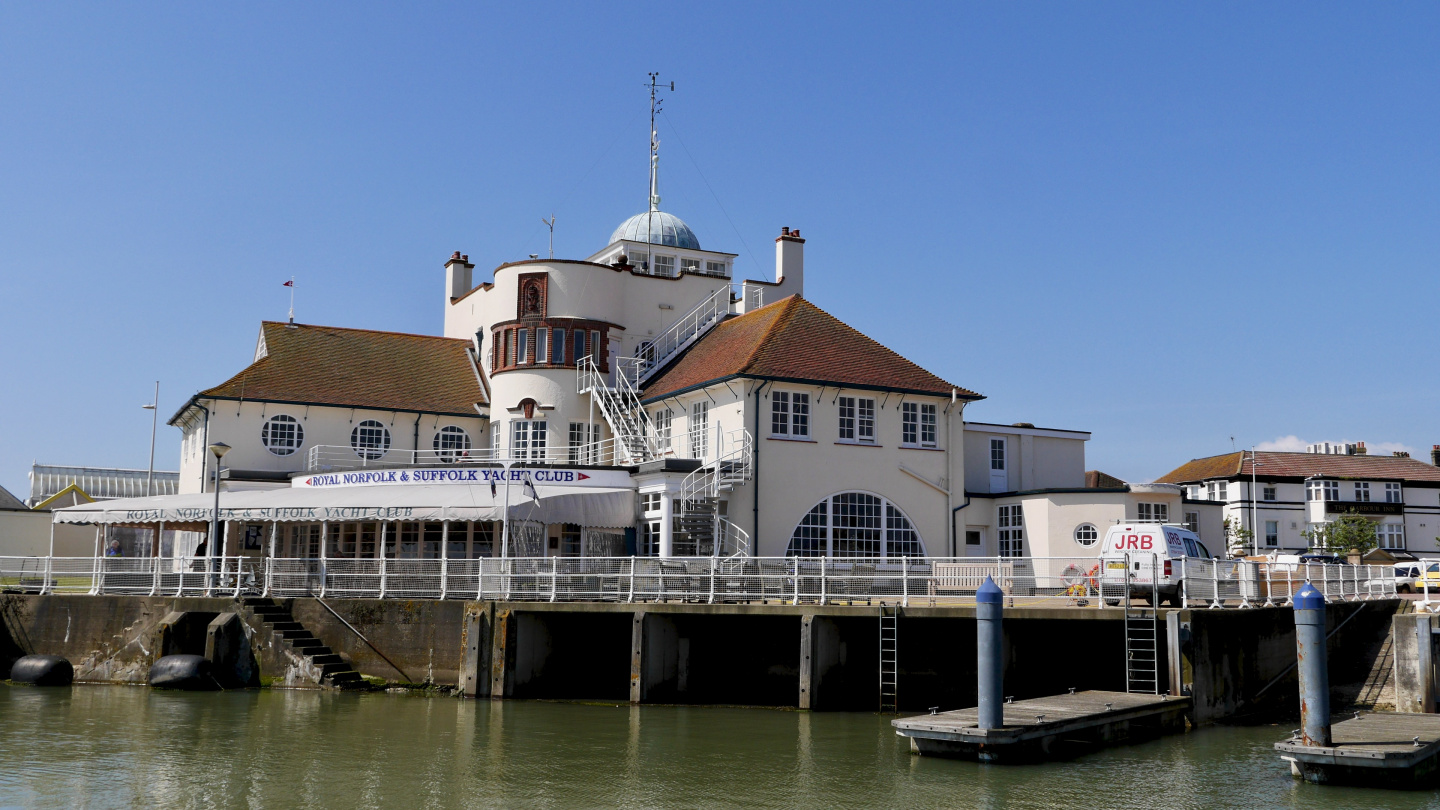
336 457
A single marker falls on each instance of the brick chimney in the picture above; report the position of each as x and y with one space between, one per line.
457 275
790 261
1435 455
1360 449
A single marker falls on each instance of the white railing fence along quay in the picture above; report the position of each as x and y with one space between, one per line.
1026 581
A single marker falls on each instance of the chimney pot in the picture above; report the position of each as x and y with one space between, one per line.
465 257
455 255
784 231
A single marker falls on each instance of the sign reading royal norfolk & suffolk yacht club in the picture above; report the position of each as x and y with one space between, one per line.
474 476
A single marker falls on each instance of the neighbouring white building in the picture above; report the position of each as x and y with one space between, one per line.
1280 496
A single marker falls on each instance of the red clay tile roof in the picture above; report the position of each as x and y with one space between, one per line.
792 339
1301 465
1094 479
359 368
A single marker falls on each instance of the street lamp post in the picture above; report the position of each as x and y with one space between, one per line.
218 449
154 409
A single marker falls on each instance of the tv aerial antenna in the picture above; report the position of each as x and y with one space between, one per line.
551 223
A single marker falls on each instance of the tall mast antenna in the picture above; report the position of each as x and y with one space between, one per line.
655 105
551 223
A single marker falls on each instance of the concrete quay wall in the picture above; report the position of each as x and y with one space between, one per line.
808 657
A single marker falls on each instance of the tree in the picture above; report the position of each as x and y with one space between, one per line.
1237 538
1349 531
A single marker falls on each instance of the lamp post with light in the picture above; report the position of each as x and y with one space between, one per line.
154 409
218 449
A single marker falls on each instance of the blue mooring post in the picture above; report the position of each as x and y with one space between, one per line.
990 647
1314 669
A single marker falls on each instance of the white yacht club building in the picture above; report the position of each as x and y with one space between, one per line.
617 406
638 402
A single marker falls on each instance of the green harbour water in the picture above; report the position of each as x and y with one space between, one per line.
114 746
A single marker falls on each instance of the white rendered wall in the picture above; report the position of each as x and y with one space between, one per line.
239 425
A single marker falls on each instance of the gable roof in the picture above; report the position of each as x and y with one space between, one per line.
10 503
794 340
1094 479
1301 465
357 368
72 495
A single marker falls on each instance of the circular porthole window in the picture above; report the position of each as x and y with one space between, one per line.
282 435
370 440
451 442
1086 534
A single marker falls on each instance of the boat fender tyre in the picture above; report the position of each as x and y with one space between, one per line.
191 673
42 670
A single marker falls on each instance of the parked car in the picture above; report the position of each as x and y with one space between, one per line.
1327 559
1403 576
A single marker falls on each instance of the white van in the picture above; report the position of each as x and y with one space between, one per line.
1153 552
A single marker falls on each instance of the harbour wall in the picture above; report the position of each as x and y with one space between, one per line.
1232 662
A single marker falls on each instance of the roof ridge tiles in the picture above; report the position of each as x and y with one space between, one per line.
286 325
796 341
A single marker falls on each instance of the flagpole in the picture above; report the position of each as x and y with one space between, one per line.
292 299
505 527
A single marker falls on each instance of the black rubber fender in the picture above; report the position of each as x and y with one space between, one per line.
42 670
191 673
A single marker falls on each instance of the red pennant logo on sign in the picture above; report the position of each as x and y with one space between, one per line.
582 477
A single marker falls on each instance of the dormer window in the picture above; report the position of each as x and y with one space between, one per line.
715 268
690 265
665 266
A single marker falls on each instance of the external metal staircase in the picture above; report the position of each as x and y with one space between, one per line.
635 436
889 658
688 328
618 394
700 529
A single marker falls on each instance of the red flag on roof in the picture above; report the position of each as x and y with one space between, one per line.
290 283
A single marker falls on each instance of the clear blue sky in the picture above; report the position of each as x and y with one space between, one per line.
1166 223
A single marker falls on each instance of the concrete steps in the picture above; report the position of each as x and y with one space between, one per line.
277 620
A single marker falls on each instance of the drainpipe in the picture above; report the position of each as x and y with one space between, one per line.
954 534
415 459
204 445
755 480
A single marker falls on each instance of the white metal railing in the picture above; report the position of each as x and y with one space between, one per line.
636 440
731 540
1035 581
677 336
342 458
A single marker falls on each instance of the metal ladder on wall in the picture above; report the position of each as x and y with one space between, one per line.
889 658
1142 660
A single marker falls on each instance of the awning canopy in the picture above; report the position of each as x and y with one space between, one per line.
599 507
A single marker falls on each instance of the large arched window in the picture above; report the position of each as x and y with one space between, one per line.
282 435
855 524
370 440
